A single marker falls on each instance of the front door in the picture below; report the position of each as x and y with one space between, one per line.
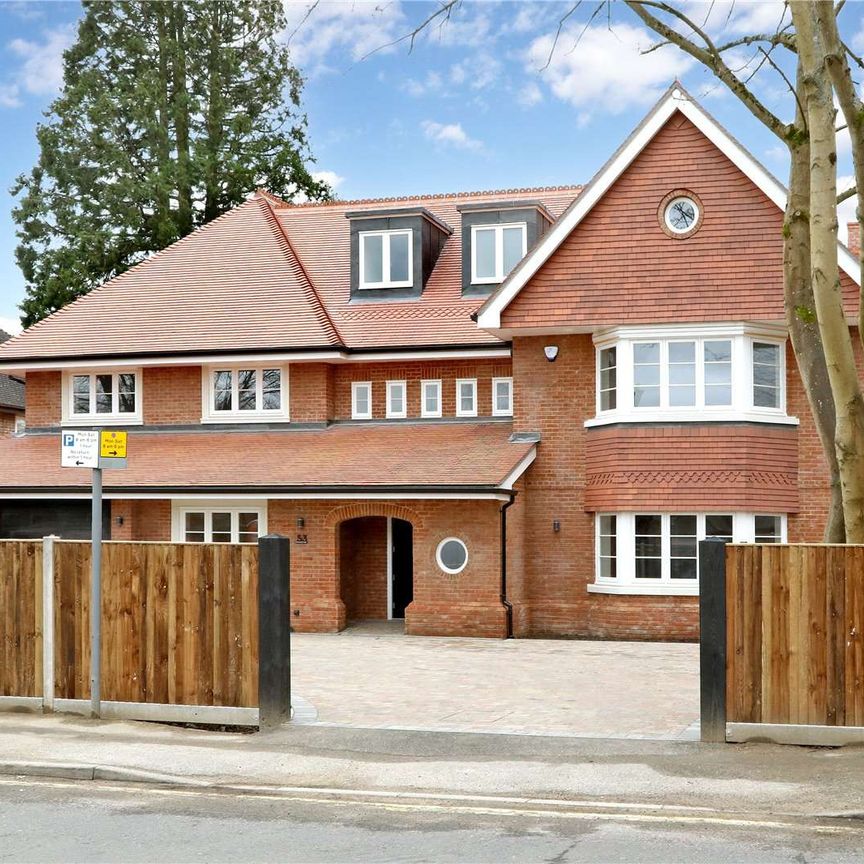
401 566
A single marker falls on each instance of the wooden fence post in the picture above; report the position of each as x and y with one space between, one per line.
48 623
712 639
274 632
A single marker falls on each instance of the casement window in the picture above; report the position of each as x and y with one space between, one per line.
466 397
658 553
496 250
361 400
245 394
724 372
396 399
502 397
102 396
430 398
386 259
218 523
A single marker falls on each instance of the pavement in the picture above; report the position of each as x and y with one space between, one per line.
373 676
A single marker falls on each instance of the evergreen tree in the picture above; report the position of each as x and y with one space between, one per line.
171 113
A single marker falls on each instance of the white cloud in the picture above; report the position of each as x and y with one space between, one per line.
530 95
331 178
335 34
606 69
450 134
10 96
41 71
432 83
10 325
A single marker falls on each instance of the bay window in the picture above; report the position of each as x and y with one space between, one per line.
244 394
102 396
658 553
719 372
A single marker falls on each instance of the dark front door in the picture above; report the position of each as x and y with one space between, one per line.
402 560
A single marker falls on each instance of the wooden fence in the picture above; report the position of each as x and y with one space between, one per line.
794 642
21 619
180 626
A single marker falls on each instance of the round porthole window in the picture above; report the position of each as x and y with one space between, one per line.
680 214
452 555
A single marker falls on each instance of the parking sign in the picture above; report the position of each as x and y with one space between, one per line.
80 449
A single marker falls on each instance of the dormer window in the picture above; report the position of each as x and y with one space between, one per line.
386 259
495 251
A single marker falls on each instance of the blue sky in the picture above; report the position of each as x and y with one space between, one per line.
470 107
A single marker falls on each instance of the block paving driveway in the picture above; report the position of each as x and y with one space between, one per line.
372 675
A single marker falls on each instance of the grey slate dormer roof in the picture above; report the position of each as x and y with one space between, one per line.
11 389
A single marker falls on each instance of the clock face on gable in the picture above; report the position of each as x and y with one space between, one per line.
681 214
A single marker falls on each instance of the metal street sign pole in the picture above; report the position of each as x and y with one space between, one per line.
96 597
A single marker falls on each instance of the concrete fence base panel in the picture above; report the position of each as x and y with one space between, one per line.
798 734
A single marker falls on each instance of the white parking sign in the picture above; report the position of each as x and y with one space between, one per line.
80 449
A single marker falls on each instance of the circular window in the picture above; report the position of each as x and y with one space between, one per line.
680 214
452 555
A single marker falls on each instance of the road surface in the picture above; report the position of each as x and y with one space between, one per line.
60 820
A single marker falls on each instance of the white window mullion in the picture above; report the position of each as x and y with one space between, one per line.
499 253
700 373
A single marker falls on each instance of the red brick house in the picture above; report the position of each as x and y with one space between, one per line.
513 411
11 400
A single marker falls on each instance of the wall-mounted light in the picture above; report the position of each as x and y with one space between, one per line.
551 352
301 522
556 525
119 520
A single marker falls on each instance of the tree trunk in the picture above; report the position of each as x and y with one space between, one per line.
180 107
836 338
163 221
803 326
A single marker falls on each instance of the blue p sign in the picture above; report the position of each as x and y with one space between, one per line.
68 440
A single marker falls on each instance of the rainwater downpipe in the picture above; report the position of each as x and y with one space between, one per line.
505 602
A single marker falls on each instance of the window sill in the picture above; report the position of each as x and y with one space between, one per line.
375 286
700 416
251 417
103 420
648 590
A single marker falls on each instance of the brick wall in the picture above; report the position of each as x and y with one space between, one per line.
43 407
171 395
363 567
7 422
446 371
142 520
311 392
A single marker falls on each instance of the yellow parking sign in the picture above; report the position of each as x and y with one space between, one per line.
112 445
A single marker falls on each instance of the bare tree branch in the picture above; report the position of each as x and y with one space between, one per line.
443 13
845 196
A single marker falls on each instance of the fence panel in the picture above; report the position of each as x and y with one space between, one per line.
179 623
21 618
795 634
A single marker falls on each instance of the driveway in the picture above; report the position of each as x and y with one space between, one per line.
373 676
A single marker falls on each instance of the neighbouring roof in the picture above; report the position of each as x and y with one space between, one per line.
270 276
11 389
442 455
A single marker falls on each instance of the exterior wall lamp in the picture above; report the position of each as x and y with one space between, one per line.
551 352
301 522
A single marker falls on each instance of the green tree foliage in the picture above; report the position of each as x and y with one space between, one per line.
171 113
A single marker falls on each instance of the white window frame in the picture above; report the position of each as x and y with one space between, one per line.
509 410
209 414
424 385
450 571
498 229
133 418
179 509
389 412
385 282
21 424
625 582
741 336
459 410
355 386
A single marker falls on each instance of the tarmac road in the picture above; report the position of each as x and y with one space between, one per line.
65 820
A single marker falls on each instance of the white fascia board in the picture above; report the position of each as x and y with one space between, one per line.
258 496
489 315
510 480
22 367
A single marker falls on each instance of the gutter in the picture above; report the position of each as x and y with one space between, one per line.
505 602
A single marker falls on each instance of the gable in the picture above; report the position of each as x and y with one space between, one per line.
608 260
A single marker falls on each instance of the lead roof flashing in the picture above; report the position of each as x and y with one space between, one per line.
492 206
400 211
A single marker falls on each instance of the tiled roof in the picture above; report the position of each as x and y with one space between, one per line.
438 455
441 316
269 275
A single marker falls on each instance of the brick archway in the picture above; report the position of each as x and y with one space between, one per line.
372 508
